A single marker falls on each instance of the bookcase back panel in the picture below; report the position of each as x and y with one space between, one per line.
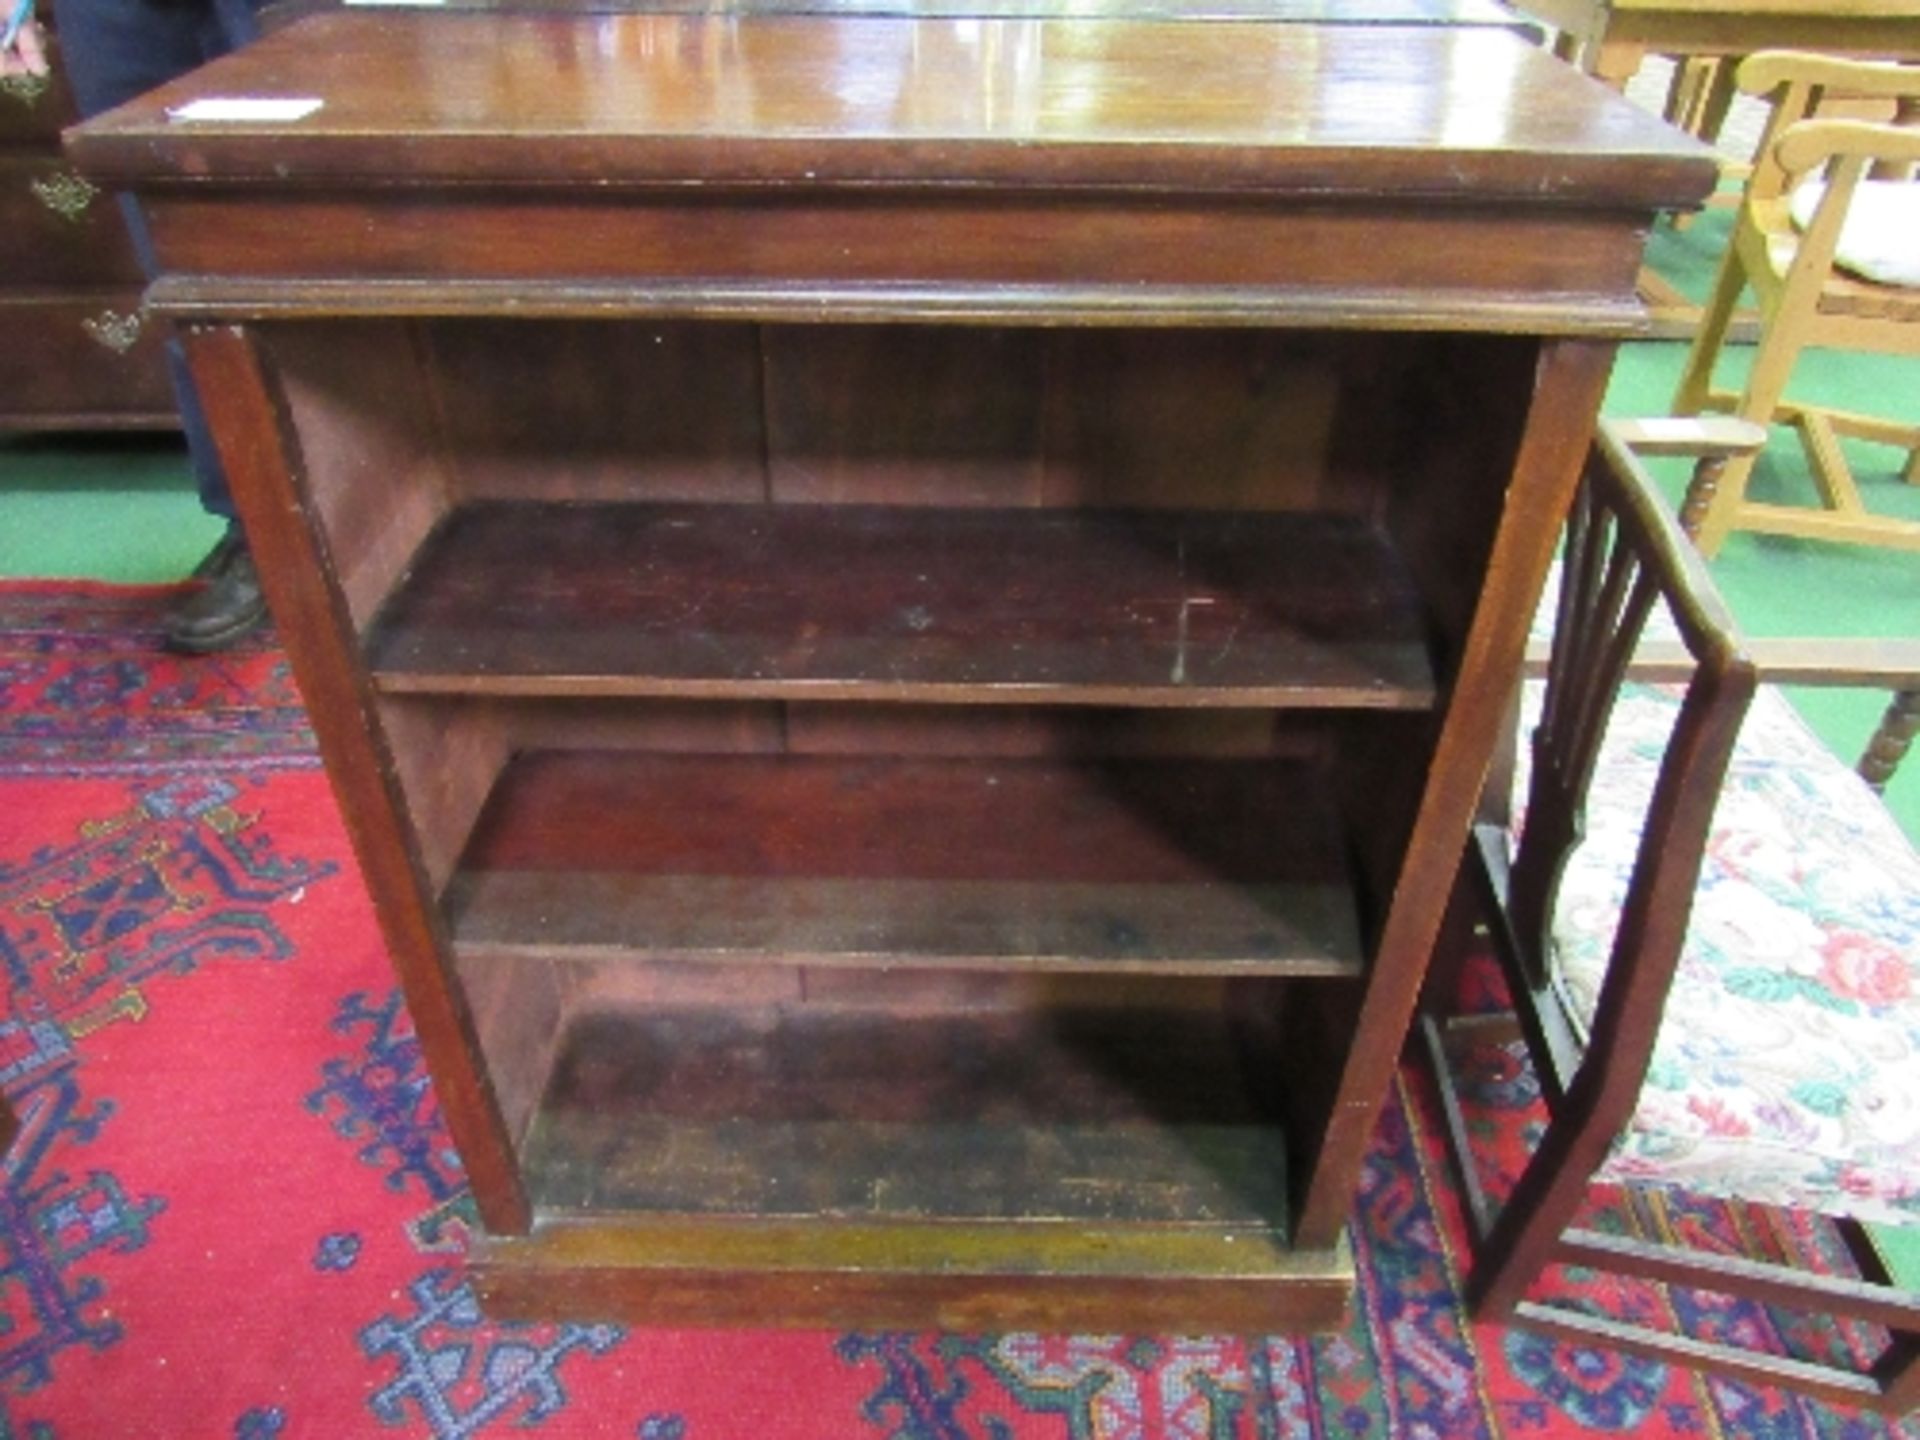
897 414
1012 731
600 412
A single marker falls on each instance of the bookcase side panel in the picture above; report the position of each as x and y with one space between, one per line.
1563 400
266 460
376 476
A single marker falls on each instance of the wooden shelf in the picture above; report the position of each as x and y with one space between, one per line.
1114 1114
838 1159
1187 867
1144 608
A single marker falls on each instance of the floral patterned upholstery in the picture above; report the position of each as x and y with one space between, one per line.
1787 1068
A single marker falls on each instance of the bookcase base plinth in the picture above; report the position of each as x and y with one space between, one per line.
939 1276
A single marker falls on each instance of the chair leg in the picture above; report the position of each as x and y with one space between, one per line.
1892 739
1713 521
1528 1228
1898 1375
1717 100
1692 74
1773 361
1698 100
1696 380
1702 488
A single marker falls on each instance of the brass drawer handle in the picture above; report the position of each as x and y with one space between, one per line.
66 194
119 333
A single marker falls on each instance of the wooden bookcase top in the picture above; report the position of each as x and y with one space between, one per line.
1287 12
1461 113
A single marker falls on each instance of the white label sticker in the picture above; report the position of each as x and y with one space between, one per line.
229 108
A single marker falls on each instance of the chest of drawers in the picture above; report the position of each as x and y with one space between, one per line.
79 352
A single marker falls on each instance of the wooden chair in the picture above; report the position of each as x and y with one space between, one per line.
1804 302
1889 666
1686 796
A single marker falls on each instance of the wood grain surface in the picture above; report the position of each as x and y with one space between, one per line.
1183 867
906 603
1466 113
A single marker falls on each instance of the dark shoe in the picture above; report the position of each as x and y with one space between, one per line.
226 608
232 543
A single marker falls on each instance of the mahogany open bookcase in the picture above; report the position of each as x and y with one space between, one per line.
907 615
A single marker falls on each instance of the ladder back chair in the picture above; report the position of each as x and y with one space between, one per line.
1706 1007
1787 246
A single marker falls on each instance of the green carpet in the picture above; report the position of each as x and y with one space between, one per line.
100 508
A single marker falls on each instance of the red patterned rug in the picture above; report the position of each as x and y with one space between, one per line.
233 1211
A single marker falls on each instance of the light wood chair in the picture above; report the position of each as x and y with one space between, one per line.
1641 798
1803 301
1888 666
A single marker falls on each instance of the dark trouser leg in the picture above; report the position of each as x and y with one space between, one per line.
113 50
207 472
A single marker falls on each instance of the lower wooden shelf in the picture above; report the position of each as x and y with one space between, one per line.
1111 1113
1093 1166
1190 867
902 1040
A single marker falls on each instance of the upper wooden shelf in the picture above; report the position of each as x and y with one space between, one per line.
1467 112
907 604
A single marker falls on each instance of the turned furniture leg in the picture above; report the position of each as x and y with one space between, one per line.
1702 490
1713 521
1892 740
1772 364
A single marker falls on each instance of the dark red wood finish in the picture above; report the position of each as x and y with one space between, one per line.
910 604
79 354
871 579
1114 866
